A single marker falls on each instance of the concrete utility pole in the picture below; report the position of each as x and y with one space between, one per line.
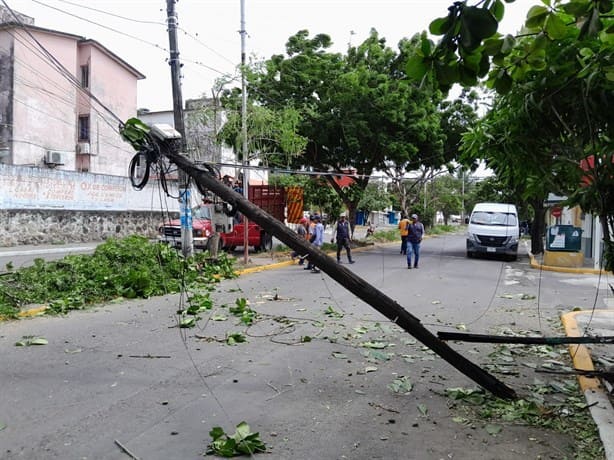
358 286
244 152
185 210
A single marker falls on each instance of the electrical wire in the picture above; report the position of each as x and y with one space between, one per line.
58 65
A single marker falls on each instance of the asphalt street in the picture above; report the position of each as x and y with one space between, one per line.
314 378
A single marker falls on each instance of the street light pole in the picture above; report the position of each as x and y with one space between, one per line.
185 210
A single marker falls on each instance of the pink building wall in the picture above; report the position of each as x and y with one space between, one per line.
43 100
44 107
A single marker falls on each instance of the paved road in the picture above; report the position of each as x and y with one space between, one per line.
125 371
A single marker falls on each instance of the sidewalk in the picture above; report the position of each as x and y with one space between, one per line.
598 323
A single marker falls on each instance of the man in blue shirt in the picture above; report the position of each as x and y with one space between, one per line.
414 238
317 239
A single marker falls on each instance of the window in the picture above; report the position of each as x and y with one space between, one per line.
84 127
85 76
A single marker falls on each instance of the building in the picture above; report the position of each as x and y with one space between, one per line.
62 97
63 164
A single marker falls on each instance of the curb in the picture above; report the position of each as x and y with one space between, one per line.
596 396
552 268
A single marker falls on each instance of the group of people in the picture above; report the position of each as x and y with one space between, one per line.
412 232
312 230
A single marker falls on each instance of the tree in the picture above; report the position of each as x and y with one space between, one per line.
357 110
446 196
561 70
375 198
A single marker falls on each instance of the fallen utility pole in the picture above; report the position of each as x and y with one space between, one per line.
485 338
358 286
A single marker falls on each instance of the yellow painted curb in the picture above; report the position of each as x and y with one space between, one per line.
579 353
261 268
585 271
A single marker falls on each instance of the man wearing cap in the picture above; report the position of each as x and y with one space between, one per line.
343 239
414 238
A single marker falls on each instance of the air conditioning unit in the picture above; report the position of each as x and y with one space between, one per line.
53 157
83 148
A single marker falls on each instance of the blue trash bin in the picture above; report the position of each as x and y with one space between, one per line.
360 218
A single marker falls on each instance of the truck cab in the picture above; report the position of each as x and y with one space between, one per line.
202 228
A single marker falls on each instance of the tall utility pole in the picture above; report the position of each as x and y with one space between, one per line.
185 210
244 155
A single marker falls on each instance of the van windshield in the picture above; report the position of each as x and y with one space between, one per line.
503 219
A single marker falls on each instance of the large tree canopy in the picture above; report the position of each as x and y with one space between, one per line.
556 78
358 110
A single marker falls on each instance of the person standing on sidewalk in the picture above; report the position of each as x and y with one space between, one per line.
303 233
317 239
403 230
343 239
414 238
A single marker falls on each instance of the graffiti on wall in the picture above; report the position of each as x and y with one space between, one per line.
27 187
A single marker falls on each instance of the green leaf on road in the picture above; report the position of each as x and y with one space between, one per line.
29 340
401 385
493 430
375 345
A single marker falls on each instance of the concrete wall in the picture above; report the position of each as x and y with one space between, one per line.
43 206
39 226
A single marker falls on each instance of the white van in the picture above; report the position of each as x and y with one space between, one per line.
493 229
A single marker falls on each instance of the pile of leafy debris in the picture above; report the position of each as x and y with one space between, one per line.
552 400
131 267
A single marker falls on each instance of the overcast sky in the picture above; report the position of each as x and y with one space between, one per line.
209 39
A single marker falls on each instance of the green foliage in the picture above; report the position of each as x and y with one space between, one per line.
375 198
568 415
135 132
242 442
131 267
243 311
470 46
356 109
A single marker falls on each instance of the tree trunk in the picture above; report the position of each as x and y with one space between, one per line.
538 228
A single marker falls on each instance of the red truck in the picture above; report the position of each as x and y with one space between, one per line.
270 198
